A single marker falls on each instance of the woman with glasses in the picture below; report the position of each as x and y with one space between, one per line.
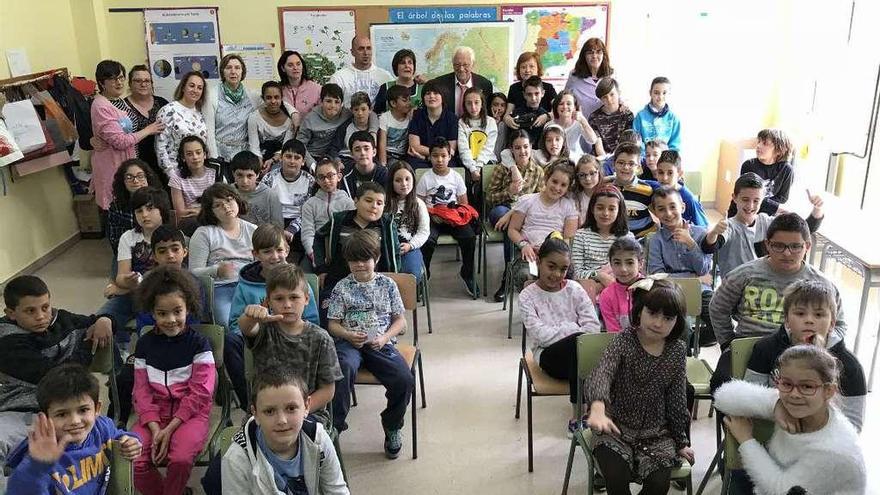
113 130
814 446
591 66
142 108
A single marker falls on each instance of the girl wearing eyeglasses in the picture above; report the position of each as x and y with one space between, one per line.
813 446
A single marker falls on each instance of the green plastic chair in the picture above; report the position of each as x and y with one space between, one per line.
740 352
538 384
699 373
487 231
121 473
590 348
694 182
448 240
102 362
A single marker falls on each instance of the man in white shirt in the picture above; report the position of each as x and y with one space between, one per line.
463 77
361 75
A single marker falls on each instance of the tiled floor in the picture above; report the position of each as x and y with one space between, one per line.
469 441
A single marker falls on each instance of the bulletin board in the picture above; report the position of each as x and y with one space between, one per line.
321 36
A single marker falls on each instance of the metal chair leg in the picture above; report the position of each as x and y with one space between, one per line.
415 430
568 466
519 382
529 416
422 381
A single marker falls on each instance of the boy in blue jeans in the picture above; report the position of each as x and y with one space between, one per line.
365 316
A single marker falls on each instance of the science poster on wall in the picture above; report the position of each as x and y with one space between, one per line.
180 41
322 37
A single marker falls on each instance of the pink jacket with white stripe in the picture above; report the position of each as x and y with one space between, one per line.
173 377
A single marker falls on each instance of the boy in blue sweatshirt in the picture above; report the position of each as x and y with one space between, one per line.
69 446
656 120
270 249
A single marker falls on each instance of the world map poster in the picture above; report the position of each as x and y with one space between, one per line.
434 45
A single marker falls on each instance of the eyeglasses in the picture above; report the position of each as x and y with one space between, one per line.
133 178
120 77
326 176
806 389
584 175
141 81
780 247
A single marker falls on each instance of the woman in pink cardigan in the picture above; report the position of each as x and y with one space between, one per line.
112 128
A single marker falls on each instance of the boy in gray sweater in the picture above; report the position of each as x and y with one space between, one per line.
319 126
318 209
742 238
752 293
263 203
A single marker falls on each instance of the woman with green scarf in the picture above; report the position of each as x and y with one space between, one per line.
227 108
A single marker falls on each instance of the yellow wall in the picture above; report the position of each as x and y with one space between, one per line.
36 216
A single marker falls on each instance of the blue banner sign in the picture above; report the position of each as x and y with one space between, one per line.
431 15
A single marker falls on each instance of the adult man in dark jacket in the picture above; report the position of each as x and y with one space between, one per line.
457 82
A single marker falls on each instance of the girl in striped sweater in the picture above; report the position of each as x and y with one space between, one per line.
606 222
173 383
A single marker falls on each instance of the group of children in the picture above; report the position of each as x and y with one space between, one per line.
578 200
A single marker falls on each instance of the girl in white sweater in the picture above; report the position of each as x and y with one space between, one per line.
410 214
813 446
555 312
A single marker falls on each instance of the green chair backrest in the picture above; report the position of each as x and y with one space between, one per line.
694 182
312 279
102 360
740 352
121 474
590 347
225 439
693 294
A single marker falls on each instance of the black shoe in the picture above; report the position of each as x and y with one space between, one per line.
598 482
468 284
500 294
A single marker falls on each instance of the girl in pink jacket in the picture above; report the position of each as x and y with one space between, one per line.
615 301
174 377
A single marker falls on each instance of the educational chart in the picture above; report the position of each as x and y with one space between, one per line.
323 37
180 41
434 45
258 58
557 33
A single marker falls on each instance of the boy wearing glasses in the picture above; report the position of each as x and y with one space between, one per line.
810 307
752 294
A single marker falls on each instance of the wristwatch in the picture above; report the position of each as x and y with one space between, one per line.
522 243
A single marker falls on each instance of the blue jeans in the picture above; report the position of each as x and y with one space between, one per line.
233 361
411 262
389 368
120 309
495 214
223 303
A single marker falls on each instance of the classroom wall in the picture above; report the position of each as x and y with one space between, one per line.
722 87
37 215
